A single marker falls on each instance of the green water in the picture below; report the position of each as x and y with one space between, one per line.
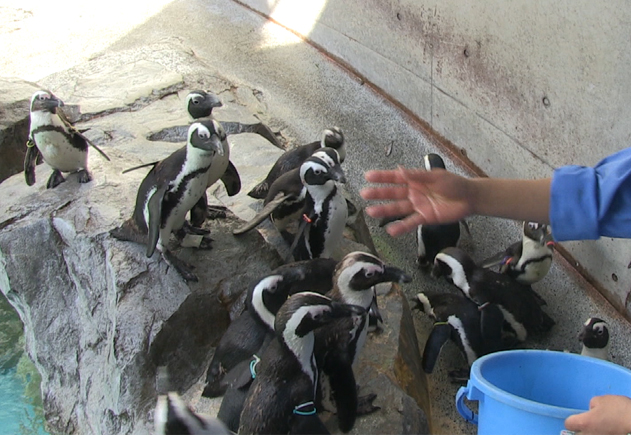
21 411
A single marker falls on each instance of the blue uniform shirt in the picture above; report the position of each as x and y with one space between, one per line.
586 203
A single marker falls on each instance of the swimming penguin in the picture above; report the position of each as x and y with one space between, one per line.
281 398
246 334
595 339
287 198
173 417
528 260
519 303
339 343
458 318
62 147
291 159
170 190
431 239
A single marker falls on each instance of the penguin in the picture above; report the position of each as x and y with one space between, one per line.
338 344
171 189
281 398
291 159
173 417
527 261
62 147
246 334
519 303
595 339
287 197
458 318
431 239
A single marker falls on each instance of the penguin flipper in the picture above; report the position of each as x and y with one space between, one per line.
258 128
231 180
144 165
491 321
308 424
441 331
262 215
30 160
260 190
154 207
241 375
344 391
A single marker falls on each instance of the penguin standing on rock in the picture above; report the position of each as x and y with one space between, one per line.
62 147
459 319
595 339
331 138
519 303
170 190
246 334
527 261
281 398
338 344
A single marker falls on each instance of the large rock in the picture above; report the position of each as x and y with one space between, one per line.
100 317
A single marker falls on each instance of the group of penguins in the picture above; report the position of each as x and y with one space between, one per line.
290 353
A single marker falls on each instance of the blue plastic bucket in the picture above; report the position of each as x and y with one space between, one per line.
534 391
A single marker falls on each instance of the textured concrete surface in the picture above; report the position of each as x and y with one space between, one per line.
304 92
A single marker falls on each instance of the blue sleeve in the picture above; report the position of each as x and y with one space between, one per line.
586 203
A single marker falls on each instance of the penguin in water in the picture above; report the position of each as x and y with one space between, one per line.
170 190
519 303
246 335
459 319
595 338
287 201
62 147
281 398
173 417
431 239
527 261
331 138
338 344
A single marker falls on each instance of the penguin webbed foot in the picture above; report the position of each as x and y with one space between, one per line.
206 243
183 268
216 212
188 228
128 232
459 376
56 178
84 176
365 404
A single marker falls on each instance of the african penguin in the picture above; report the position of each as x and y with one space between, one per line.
173 417
170 190
200 104
595 339
62 147
281 398
528 260
291 159
246 334
458 318
338 344
431 239
519 303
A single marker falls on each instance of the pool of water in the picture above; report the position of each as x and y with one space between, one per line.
21 411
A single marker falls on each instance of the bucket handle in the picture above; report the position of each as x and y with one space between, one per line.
463 409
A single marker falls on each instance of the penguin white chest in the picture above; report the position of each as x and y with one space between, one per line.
218 166
191 193
59 153
336 222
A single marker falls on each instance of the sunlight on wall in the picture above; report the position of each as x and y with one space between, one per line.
42 37
300 16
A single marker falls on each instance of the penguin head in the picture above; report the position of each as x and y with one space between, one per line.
456 266
200 104
45 101
433 161
334 138
595 334
207 136
322 167
306 311
540 233
423 304
358 272
267 296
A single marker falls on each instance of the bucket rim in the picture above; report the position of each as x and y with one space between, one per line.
527 404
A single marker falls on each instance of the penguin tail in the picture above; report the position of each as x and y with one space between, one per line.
259 191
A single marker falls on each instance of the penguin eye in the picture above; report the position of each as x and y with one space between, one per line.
599 331
43 97
204 134
533 225
195 100
318 171
369 273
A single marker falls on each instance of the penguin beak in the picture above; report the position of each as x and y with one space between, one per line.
394 274
346 310
337 174
52 103
212 100
213 144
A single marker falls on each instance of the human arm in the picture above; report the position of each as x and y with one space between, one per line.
608 414
439 196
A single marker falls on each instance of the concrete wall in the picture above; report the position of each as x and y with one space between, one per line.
520 87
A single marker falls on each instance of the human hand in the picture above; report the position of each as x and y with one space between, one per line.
607 415
423 197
